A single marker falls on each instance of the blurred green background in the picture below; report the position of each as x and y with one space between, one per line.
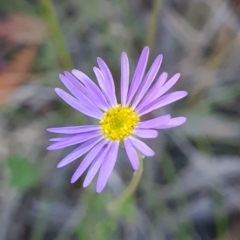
190 189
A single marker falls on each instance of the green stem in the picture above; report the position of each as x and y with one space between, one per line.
152 26
221 218
184 232
129 191
40 225
57 35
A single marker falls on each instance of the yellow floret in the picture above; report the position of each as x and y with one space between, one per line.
119 122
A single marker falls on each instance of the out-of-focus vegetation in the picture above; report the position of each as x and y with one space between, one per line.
190 189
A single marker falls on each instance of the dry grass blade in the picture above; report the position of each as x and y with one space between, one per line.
17 72
23 29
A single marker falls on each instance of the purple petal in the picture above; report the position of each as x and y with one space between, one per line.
75 87
78 152
86 96
66 142
141 146
148 80
108 78
138 75
132 154
89 110
174 122
105 87
145 133
154 90
96 164
124 78
74 130
96 95
167 86
56 139
155 122
162 101
161 80
88 160
107 166
77 84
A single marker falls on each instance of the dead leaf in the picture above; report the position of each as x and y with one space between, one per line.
16 72
23 29
212 126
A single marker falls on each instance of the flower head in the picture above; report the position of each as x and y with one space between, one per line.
117 122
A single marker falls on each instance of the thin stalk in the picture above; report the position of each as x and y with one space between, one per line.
221 219
129 191
40 224
57 34
153 23
185 232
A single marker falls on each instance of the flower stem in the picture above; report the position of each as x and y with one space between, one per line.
153 22
129 191
57 34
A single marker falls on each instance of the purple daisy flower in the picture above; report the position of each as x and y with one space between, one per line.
117 122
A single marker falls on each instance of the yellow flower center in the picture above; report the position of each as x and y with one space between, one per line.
119 122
